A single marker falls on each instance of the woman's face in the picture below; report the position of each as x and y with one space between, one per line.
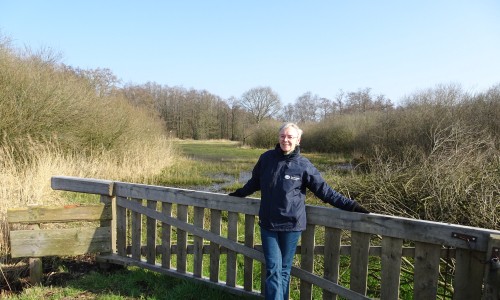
288 139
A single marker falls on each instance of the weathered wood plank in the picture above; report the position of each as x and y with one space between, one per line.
136 231
82 185
215 228
326 284
392 250
189 197
426 270
199 218
36 270
248 261
359 261
151 235
166 237
182 216
114 225
331 258
469 271
403 228
232 234
263 277
307 260
492 274
67 213
64 241
121 228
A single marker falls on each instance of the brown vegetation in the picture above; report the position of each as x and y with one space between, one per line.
57 121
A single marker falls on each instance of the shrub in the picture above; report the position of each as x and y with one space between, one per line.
43 100
265 134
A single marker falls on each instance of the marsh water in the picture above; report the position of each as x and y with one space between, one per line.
227 180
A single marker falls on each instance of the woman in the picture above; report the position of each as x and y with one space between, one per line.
282 175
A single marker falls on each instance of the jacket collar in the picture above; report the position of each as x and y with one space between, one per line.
295 152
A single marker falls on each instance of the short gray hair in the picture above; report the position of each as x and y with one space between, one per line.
293 125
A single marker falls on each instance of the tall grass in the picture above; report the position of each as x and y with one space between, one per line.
29 184
55 122
457 182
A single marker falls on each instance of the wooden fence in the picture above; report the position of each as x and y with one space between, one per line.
171 230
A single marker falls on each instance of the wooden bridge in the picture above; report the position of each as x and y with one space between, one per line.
171 230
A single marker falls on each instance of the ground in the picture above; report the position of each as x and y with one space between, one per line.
56 272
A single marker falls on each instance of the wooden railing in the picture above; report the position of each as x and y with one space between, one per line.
165 229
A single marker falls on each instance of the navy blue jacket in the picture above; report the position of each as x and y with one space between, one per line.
282 180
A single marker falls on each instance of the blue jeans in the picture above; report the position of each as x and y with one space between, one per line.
279 248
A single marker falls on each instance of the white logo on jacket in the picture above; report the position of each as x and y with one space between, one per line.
292 177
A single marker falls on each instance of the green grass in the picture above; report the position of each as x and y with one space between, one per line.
218 151
129 283
204 163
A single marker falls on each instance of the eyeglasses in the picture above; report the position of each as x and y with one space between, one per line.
290 137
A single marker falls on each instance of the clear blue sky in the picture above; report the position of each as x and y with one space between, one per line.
228 47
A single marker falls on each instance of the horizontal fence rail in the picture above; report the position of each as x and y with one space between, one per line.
203 236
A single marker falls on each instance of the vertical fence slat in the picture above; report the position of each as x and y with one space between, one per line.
113 225
332 258
392 250
427 257
215 227
151 234
307 259
262 278
199 218
166 237
469 271
247 261
108 202
232 234
121 229
360 246
136 232
182 215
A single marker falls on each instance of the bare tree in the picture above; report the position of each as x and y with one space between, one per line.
102 80
288 113
339 102
306 107
261 103
360 101
326 107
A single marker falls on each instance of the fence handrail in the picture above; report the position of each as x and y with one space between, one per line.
471 246
453 235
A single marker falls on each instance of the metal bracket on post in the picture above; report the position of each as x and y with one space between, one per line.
495 259
465 237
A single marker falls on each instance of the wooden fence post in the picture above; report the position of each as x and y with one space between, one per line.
36 270
492 270
35 263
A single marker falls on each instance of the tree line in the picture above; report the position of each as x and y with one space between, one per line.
199 114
